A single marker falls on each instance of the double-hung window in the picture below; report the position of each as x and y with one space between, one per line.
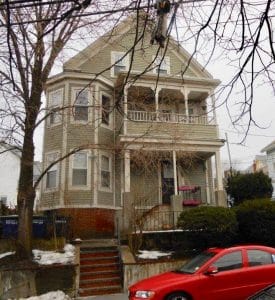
120 62
80 169
106 110
105 172
81 105
162 65
55 102
52 173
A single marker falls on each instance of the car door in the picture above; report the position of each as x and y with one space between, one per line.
260 269
228 282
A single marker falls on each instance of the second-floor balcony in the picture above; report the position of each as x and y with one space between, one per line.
164 117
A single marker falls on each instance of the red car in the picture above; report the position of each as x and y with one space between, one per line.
217 274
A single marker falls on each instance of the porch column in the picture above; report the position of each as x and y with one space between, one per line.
125 108
213 100
186 93
175 173
127 171
220 195
207 182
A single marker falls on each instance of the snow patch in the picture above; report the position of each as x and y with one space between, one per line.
51 257
6 254
57 295
145 254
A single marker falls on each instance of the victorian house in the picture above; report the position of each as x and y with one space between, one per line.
144 122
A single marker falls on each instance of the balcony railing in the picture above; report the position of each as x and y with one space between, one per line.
148 116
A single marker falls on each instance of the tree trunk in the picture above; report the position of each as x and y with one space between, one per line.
26 191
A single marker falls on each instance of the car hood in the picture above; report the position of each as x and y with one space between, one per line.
162 280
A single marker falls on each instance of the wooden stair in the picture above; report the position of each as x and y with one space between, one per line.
100 271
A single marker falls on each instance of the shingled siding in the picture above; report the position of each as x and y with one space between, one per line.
50 199
106 137
78 198
172 130
106 198
102 60
145 186
53 138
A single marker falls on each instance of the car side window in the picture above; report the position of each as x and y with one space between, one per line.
259 257
229 261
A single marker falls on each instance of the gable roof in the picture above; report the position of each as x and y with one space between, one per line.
115 34
269 147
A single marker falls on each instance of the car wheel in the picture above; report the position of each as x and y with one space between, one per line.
177 296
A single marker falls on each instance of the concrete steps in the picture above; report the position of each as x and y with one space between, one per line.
100 271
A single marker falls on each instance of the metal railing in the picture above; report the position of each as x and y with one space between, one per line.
155 220
148 116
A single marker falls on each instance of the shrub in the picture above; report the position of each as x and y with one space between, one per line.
243 187
256 220
208 226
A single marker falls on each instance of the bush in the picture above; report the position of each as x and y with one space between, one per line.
256 220
243 187
208 226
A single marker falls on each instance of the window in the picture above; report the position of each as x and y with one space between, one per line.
229 261
3 200
120 62
259 257
81 102
105 170
162 65
52 173
55 101
106 110
80 168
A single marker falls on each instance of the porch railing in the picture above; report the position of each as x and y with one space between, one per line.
157 220
148 116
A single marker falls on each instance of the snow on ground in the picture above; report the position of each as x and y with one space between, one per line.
51 257
145 254
5 254
57 295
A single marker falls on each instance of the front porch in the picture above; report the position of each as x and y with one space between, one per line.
159 185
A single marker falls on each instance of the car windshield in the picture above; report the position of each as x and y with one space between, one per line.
195 263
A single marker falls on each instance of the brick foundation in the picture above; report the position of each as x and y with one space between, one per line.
89 222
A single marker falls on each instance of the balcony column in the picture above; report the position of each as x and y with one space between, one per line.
127 178
157 99
207 182
213 100
186 93
175 173
220 195
125 108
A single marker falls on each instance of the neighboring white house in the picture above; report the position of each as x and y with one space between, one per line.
270 153
9 175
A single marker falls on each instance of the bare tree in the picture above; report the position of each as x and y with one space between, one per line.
34 34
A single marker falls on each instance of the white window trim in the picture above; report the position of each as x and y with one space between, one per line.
45 188
167 61
74 90
125 59
80 187
111 114
50 106
110 156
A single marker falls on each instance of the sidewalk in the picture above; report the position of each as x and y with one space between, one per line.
106 297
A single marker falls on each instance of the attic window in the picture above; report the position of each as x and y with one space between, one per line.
162 65
120 62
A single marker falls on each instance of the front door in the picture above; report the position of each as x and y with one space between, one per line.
167 181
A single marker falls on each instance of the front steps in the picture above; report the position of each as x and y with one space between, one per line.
100 271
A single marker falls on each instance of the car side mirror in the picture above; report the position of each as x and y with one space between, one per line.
211 270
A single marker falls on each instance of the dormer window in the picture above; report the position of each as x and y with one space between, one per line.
162 65
120 61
